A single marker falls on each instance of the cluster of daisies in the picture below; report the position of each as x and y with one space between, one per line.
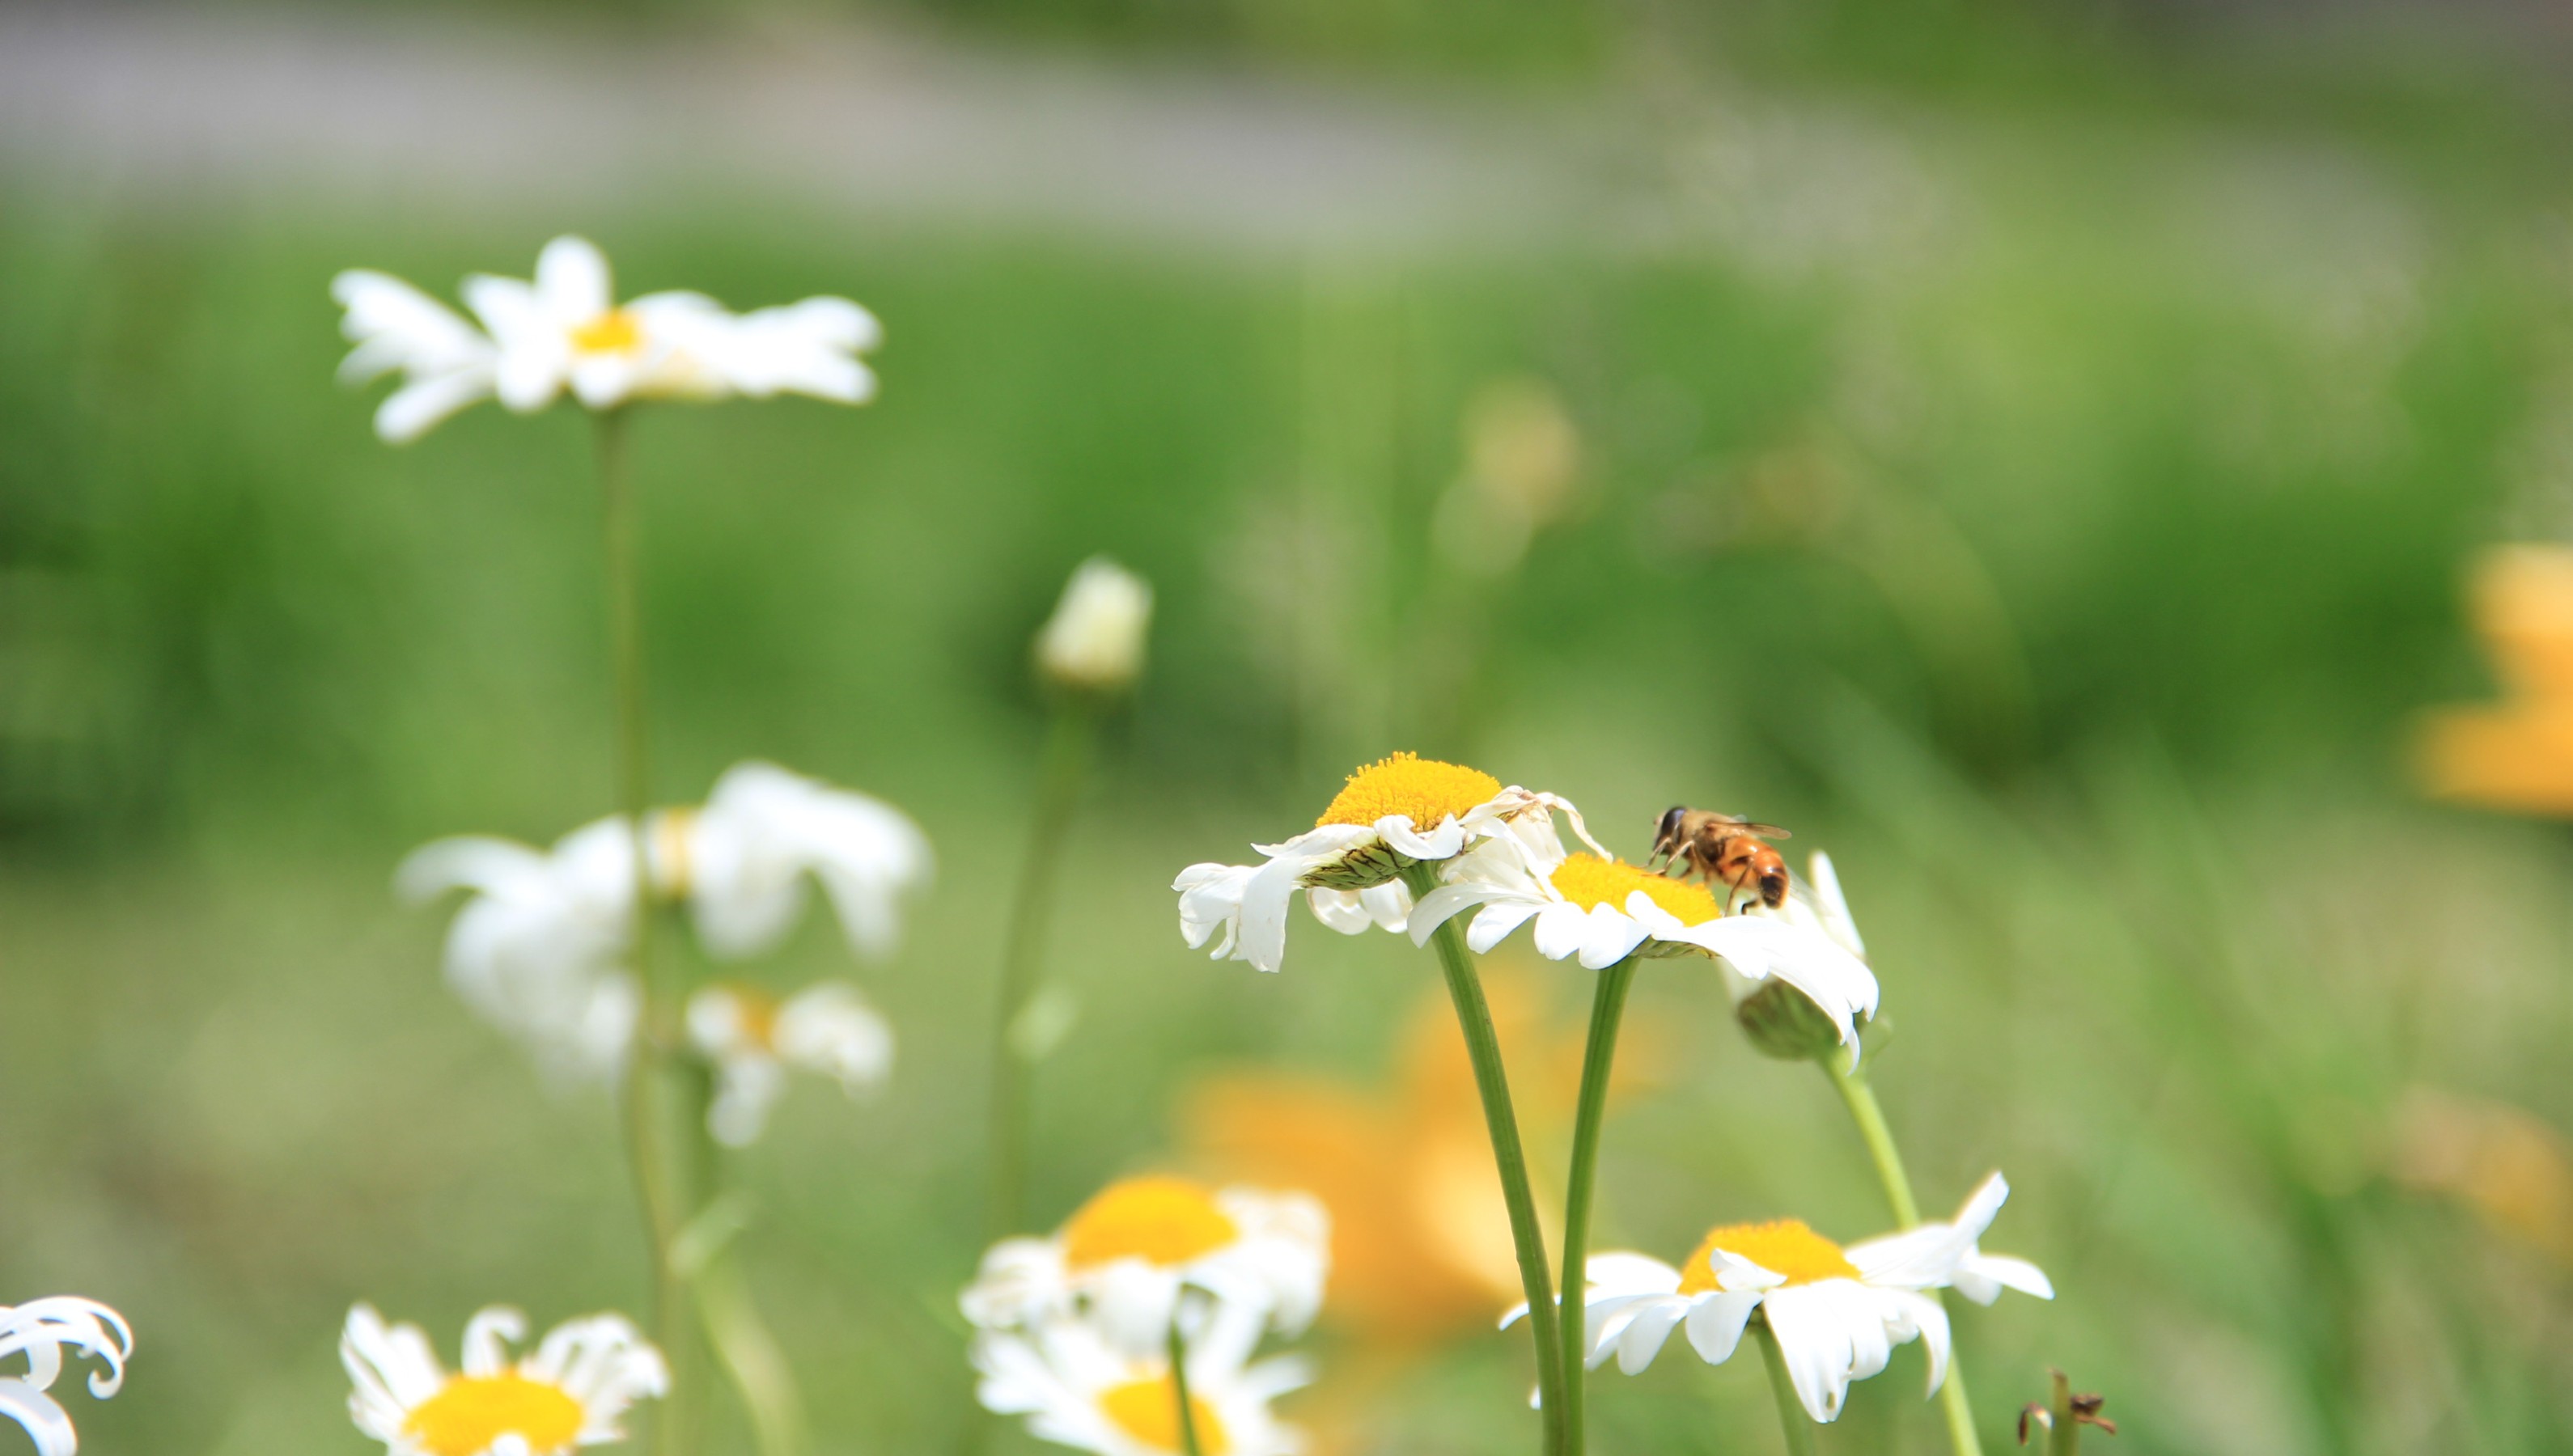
1496 853
1135 1328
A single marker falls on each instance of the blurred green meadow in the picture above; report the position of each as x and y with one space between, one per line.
2065 543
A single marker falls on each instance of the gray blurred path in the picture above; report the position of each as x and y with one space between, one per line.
466 114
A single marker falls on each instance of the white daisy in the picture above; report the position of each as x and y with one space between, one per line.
742 861
1124 1258
1094 642
1392 814
753 1040
571 1391
1079 1389
1602 910
564 329
1836 1312
540 949
446 362
39 1330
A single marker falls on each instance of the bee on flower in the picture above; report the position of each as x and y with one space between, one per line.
1391 815
1601 910
564 331
572 1390
753 1040
1128 1259
1836 1312
1079 1388
540 947
39 1331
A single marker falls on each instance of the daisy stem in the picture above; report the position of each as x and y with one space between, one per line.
1484 1048
1839 1065
1791 1411
1178 1347
1066 757
647 1096
1607 1009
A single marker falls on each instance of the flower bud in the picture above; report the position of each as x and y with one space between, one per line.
1095 640
1784 1022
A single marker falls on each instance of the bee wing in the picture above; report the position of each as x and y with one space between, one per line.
1757 830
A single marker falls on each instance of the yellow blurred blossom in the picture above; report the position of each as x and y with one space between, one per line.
2517 754
2505 1163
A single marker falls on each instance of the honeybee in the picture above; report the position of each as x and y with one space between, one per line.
1724 849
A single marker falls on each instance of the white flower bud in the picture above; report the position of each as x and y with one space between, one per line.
1095 640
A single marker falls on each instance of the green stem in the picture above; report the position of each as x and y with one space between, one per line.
1791 1410
1607 1009
751 1356
2063 1436
648 1098
1484 1048
1853 1087
1066 757
1179 1350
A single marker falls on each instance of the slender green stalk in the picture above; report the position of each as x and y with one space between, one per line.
1067 759
1607 1009
1178 1348
1852 1085
647 1096
2064 1434
1791 1411
1484 1048
751 1356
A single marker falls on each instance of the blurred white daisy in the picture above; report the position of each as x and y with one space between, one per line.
1126 1258
539 949
1094 642
1079 1389
1836 1312
39 1331
572 1390
446 362
564 329
1393 813
753 1040
1602 910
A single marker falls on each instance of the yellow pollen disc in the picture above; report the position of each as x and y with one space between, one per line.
757 1011
1162 1221
1424 788
1148 1411
1781 1245
1587 880
471 1411
614 332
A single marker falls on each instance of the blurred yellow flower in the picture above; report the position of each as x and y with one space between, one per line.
1420 1240
2505 1163
2519 754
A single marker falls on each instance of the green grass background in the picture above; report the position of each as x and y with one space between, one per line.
2074 578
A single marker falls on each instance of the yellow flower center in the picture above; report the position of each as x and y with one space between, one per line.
1148 1411
1162 1220
1587 880
754 1014
471 1412
614 332
1424 788
1781 1245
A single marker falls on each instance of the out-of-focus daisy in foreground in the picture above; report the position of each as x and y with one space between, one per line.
572 1390
1094 642
1127 1258
1601 910
564 329
40 1330
1836 1312
1079 1389
539 949
753 1039
1392 814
